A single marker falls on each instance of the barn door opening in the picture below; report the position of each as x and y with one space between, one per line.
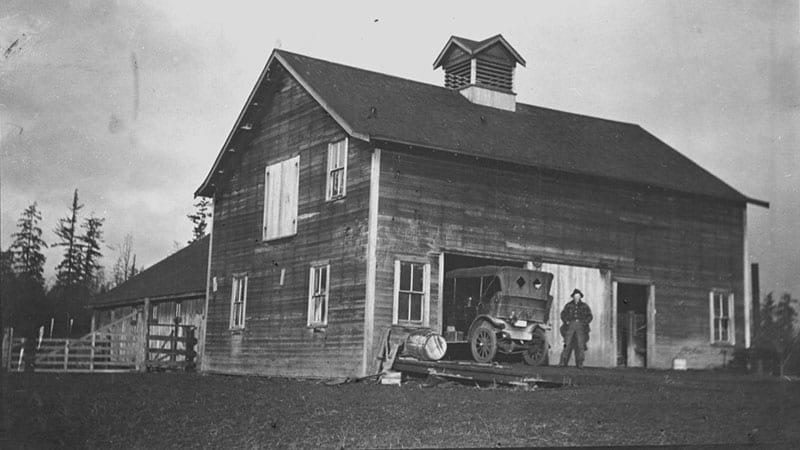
457 316
633 313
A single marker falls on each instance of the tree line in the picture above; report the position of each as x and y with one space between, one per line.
28 303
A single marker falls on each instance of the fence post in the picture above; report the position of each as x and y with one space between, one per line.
191 341
94 340
66 354
8 345
145 335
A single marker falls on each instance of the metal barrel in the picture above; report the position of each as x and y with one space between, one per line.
425 345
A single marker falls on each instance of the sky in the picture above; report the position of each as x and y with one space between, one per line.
129 102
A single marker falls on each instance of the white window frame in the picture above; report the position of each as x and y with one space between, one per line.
426 292
715 332
333 159
238 285
284 202
315 291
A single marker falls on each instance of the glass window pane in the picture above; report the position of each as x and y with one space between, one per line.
405 276
323 276
341 156
724 330
402 306
417 284
416 307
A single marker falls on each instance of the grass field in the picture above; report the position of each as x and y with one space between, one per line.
602 407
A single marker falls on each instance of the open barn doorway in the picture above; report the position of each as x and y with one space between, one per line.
457 314
632 324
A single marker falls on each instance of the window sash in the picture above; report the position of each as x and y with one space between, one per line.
721 312
411 296
318 294
238 301
337 170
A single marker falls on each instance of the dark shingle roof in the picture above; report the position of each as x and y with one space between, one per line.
182 274
431 116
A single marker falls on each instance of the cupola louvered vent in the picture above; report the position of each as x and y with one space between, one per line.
482 71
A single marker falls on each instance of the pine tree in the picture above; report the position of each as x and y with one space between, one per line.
68 271
90 242
28 259
777 330
202 212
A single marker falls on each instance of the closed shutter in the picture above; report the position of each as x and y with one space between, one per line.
281 188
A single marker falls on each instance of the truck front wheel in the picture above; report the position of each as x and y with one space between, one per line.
483 343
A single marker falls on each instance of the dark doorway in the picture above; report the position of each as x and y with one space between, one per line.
632 300
455 318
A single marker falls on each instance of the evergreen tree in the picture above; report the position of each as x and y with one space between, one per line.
68 271
778 331
202 212
90 241
28 259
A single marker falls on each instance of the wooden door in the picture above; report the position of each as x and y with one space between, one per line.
596 287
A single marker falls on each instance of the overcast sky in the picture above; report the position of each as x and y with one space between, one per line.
130 101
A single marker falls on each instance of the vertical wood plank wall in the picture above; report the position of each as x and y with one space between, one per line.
687 245
275 339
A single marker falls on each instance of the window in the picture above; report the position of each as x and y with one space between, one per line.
318 295
238 301
411 280
721 317
281 185
337 170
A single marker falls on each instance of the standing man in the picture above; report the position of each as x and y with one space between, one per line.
576 317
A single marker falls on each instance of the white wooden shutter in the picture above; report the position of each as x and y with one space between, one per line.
281 188
290 187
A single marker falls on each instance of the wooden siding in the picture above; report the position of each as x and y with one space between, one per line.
686 246
275 339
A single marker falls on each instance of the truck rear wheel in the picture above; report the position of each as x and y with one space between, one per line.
536 354
483 343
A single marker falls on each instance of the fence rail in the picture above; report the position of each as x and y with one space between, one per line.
116 347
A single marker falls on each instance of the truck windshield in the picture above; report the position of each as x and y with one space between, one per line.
489 285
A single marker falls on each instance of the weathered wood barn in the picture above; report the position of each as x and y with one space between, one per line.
173 287
342 197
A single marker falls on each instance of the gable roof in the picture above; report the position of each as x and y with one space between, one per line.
180 275
472 48
382 108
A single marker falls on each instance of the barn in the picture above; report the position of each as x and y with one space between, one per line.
342 197
173 288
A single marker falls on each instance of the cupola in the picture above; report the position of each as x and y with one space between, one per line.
482 71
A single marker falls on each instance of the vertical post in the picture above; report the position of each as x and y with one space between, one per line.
145 335
631 335
66 354
94 340
756 295
174 345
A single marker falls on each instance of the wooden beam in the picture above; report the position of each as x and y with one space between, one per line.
372 261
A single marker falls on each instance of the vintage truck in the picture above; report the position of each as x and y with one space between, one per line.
505 309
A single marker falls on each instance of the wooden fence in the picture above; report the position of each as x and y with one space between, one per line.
116 347
125 345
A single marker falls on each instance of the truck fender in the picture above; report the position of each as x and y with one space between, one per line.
499 324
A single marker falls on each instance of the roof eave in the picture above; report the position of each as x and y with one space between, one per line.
452 41
757 202
203 190
499 38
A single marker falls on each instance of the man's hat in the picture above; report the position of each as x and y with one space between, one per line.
576 291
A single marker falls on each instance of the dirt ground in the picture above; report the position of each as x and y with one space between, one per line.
602 407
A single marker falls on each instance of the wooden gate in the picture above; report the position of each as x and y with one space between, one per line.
116 347
171 346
